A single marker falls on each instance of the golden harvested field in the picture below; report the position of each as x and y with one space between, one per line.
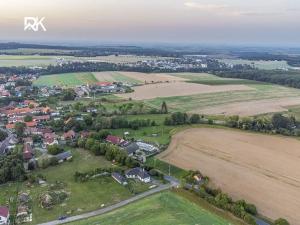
160 90
258 168
251 108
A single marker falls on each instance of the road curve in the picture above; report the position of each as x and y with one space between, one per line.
110 208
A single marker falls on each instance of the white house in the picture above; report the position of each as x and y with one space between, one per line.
138 173
4 215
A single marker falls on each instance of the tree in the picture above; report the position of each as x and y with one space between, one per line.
281 221
68 95
19 128
280 121
54 149
195 118
164 108
27 118
3 135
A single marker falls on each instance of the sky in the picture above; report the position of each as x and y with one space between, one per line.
263 22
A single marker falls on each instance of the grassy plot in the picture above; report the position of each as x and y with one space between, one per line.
26 60
66 79
210 79
201 101
115 76
260 64
83 197
164 208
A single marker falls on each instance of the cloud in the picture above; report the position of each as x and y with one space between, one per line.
229 10
206 7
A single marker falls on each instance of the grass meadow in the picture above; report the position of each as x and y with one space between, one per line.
66 79
166 208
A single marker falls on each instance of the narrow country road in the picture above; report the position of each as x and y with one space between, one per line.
112 207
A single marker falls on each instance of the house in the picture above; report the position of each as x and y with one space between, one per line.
131 148
64 156
8 144
27 152
4 215
69 135
28 140
119 178
138 173
114 139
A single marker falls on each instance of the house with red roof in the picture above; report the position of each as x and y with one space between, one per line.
4 215
114 139
69 135
27 152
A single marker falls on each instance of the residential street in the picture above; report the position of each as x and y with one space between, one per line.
112 207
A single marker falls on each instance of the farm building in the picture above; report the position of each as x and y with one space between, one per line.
146 147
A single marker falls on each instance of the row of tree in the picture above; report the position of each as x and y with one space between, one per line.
277 124
109 151
179 118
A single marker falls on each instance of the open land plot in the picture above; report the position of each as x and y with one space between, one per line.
66 79
270 94
84 197
122 58
115 76
152 77
255 167
161 90
210 79
164 208
260 64
26 60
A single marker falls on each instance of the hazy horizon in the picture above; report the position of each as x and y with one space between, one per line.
87 22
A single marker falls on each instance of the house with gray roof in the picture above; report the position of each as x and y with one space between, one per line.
138 173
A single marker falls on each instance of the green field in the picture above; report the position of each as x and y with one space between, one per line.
260 64
26 60
83 197
66 79
210 79
115 76
166 208
201 101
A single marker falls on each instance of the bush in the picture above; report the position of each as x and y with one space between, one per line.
281 221
54 149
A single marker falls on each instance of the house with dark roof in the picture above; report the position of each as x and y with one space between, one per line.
138 173
119 178
4 215
114 139
64 156
130 148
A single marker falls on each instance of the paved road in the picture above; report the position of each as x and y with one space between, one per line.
112 207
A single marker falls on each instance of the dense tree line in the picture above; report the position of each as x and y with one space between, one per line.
240 209
11 167
179 118
277 124
109 151
286 78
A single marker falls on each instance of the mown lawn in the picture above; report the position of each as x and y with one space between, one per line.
66 79
83 197
166 208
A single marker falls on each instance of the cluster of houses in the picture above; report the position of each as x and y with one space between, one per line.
135 173
133 147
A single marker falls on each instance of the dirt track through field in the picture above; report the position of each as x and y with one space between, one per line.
151 91
262 169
